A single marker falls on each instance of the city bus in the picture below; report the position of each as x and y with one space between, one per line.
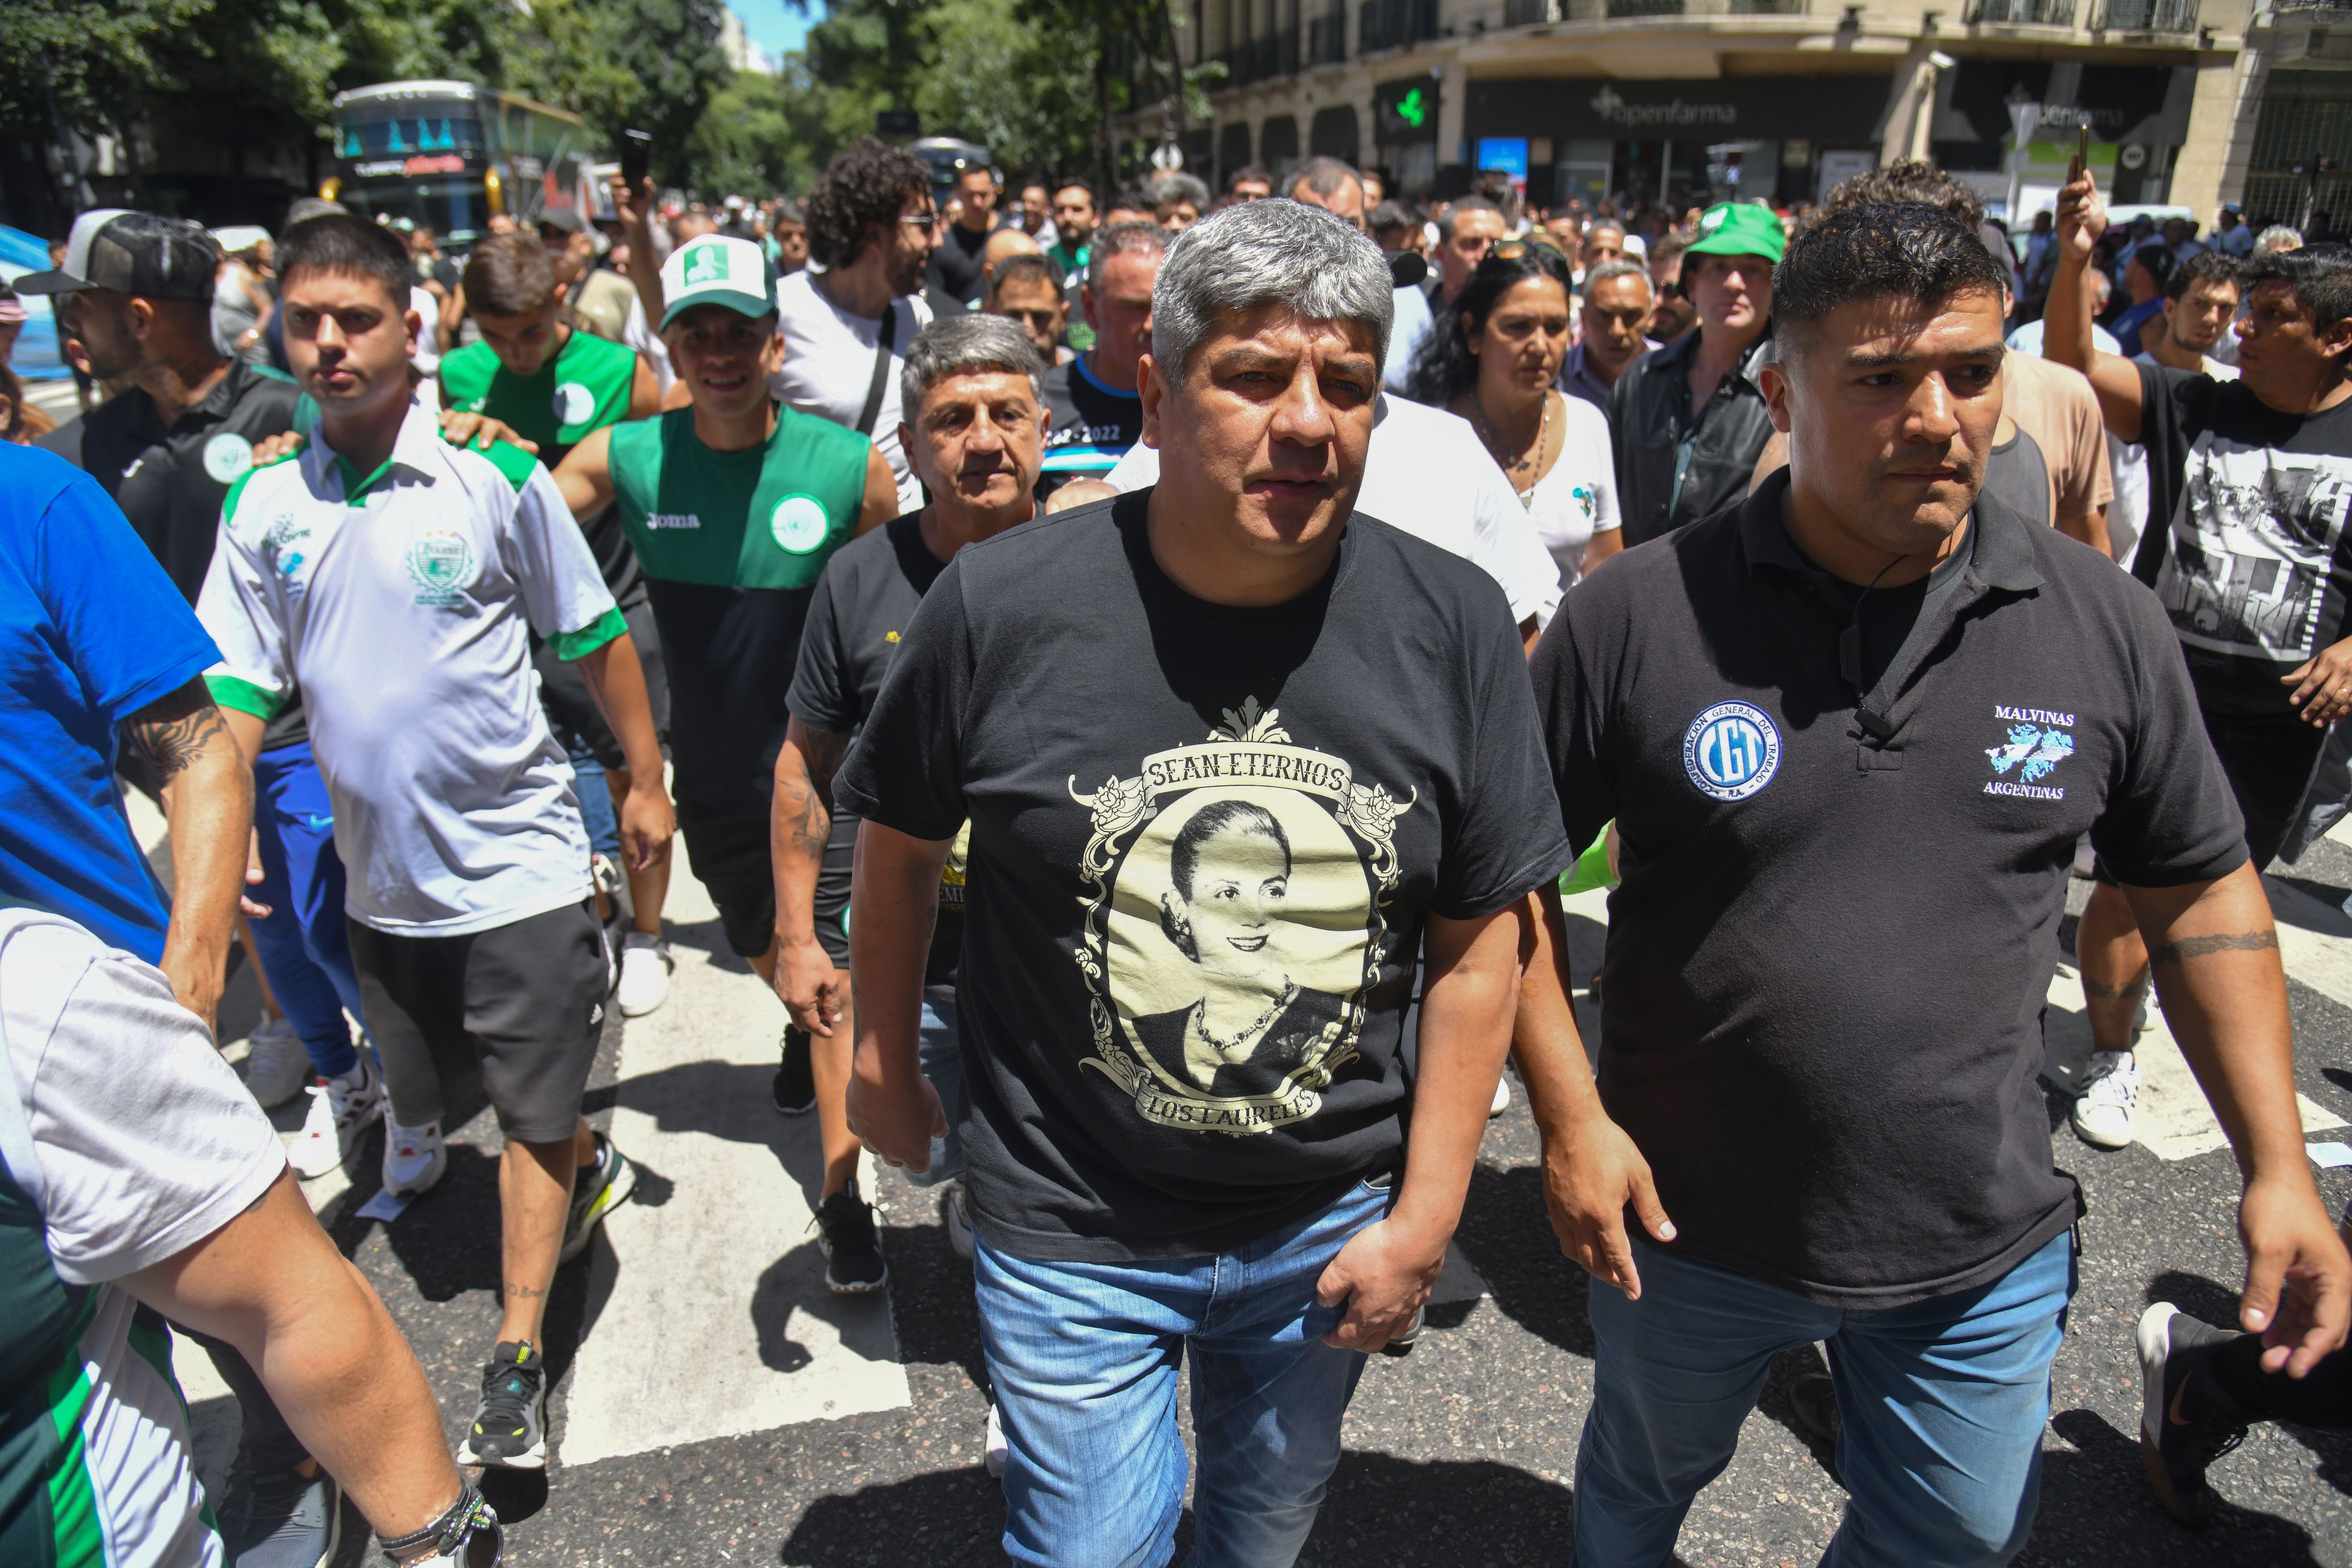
450 154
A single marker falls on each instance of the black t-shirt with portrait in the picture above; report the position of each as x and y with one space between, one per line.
1085 413
856 623
2255 566
1204 842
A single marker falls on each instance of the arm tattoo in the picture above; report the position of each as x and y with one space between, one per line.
173 732
2189 947
809 818
2106 993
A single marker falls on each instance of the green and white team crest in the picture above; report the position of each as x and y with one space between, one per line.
800 524
227 456
575 403
441 563
707 264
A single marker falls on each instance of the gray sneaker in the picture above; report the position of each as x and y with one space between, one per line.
288 1521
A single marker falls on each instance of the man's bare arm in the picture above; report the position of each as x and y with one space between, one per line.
270 1283
2066 323
2215 956
799 823
208 801
894 901
617 682
585 474
2090 527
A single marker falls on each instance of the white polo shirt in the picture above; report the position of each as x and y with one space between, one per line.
401 603
1427 473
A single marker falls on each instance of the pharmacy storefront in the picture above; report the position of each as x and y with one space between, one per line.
1781 139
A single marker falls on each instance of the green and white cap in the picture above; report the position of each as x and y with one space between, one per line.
717 269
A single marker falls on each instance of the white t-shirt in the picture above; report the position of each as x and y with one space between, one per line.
829 365
427 358
638 334
126 1169
1579 497
1428 474
405 618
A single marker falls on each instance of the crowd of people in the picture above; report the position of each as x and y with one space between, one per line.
1134 672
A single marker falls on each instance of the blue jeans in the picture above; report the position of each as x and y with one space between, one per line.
304 948
597 813
1084 1355
1943 1405
942 1058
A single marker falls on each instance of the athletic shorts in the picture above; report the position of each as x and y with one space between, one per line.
2269 760
516 1009
832 890
572 711
729 854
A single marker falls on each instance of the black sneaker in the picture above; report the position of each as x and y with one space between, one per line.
853 1252
288 1520
510 1430
596 1191
796 1087
2185 1421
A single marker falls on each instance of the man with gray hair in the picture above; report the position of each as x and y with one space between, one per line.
1618 300
1097 413
1178 200
974 430
1187 716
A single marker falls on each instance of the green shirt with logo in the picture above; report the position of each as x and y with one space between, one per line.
732 544
582 386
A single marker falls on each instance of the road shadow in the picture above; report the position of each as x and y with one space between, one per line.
2097 1508
1506 1233
2319 909
795 1283
1379 1510
931 1287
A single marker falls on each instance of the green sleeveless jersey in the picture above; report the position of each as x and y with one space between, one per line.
769 517
584 385
732 544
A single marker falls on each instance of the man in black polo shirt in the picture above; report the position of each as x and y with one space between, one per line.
1850 732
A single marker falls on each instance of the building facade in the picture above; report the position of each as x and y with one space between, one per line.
2185 99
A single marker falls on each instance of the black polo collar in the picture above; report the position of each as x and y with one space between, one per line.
2003 556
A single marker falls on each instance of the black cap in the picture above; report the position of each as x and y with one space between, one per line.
132 253
566 218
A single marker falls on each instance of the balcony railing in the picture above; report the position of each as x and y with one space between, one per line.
1390 24
2035 13
1527 13
2148 16
1646 7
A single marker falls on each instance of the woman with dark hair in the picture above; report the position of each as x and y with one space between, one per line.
1229 880
1494 359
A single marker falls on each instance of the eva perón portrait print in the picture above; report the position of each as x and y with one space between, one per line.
1234 924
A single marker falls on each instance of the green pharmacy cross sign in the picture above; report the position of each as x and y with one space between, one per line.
1413 109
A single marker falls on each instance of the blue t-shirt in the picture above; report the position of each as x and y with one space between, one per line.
90 632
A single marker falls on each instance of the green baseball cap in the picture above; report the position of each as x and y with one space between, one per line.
1739 228
716 269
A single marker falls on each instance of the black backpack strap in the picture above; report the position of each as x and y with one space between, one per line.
882 345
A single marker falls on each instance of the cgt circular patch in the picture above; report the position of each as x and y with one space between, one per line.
575 403
228 456
799 524
1731 751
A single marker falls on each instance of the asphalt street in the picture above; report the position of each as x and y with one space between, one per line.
1461 1454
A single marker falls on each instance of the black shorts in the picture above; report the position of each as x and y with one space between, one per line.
517 1009
2269 760
833 889
729 854
572 711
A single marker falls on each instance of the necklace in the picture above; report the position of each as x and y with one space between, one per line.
1514 464
1248 1032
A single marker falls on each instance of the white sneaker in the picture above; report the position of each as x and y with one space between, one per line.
414 1157
2103 1116
1502 1101
644 975
279 1066
341 1110
996 1452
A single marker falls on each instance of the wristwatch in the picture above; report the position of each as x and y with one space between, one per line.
466 1536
